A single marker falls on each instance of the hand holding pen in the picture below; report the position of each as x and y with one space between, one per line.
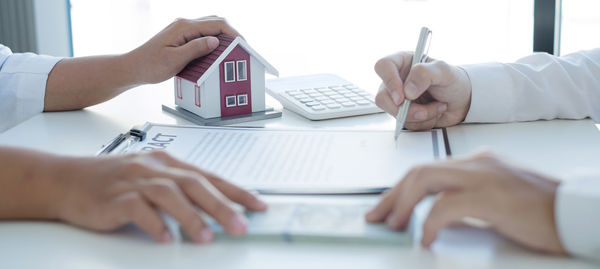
440 93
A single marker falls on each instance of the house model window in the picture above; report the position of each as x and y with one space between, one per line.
242 99
242 73
197 95
230 101
178 87
229 71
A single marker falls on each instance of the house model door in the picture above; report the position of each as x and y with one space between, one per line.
235 83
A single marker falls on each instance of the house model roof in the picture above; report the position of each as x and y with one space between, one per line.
199 69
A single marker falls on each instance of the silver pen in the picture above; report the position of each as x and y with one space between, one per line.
419 57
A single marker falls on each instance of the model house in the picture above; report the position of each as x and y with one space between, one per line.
229 81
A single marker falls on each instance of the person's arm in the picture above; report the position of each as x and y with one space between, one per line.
75 83
22 85
516 202
106 193
30 84
530 208
539 86
27 192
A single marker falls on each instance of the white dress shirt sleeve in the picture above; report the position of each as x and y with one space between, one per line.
543 86
23 79
539 86
577 214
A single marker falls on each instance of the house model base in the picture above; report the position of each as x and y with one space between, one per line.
268 113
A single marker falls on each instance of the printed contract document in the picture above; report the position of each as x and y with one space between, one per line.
296 161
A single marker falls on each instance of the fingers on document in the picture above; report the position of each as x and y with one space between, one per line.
133 207
237 194
231 191
166 195
214 203
380 212
196 191
397 205
449 208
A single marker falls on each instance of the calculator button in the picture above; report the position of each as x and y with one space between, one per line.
318 108
301 96
312 103
321 89
333 106
348 104
350 87
363 93
327 101
310 91
321 98
305 100
342 100
328 92
344 91
363 102
337 88
315 95
336 96
350 95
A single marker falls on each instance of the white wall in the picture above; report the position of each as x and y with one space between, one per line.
52 27
211 96
315 36
257 77
580 25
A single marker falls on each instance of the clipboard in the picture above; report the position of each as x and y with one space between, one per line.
123 141
280 161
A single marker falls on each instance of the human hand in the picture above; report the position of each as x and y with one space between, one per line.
518 203
441 92
106 193
169 51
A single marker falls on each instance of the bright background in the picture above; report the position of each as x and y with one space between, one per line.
337 36
580 25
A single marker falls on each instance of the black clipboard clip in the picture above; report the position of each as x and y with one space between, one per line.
134 135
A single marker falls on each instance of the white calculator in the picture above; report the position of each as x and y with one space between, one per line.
322 96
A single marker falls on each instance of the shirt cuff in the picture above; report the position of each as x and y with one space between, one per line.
577 215
30 72
491 93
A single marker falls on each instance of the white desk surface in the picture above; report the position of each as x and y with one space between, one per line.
554 147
